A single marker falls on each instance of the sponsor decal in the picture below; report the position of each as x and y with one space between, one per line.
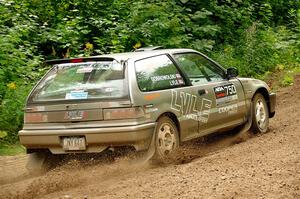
89 67
75 115
174 79
79 94
230 109
86 69
225 93
176 82
186 104
163 77
152 96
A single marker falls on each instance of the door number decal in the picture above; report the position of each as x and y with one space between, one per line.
225 93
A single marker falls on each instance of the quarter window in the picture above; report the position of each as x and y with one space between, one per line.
198 69
157 73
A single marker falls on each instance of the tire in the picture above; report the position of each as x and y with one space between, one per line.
260 116
166 140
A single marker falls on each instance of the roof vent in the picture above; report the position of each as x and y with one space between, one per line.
149 48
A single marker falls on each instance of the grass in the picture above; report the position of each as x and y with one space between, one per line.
8 149
281 77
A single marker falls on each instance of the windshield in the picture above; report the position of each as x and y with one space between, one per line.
87 80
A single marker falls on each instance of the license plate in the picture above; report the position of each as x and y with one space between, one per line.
74 143
74 115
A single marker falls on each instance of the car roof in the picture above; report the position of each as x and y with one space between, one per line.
129 55
143 54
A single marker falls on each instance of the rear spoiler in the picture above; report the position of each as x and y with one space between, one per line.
77 60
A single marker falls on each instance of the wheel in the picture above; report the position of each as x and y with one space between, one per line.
166 140
260 116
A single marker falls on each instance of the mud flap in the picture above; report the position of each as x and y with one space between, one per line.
147 155
248 124
36 163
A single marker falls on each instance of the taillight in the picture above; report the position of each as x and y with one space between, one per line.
34 117
123 113
76 60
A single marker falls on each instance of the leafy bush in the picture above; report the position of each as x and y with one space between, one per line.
261 50
11 109
288 77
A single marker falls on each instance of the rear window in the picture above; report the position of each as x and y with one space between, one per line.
77 81
157 73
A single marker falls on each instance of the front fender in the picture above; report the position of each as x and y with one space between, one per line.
252 86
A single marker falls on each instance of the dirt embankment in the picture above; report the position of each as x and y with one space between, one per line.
260 166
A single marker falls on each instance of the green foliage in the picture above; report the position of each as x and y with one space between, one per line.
11 149
288 77
11 110
261 49
287 81
256 36
3 134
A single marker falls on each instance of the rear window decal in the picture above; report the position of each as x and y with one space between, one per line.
85 69
163 77
176 82
77 95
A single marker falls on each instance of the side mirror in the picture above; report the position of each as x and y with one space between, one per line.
231 72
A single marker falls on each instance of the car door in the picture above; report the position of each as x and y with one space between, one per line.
220 102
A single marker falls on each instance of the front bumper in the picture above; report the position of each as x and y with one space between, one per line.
272 104
97 139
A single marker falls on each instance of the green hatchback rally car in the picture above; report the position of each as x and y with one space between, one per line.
151 96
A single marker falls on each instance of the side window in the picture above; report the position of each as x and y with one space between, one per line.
157 73
198 69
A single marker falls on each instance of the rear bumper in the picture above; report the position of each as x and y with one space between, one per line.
272 104
97 139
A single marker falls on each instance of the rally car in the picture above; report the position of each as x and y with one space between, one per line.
158 96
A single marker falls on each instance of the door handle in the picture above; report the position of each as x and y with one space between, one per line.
202 92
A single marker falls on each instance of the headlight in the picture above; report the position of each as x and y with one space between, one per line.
123 113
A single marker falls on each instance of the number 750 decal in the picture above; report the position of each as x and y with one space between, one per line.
224 91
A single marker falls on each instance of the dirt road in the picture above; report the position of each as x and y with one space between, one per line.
260 166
